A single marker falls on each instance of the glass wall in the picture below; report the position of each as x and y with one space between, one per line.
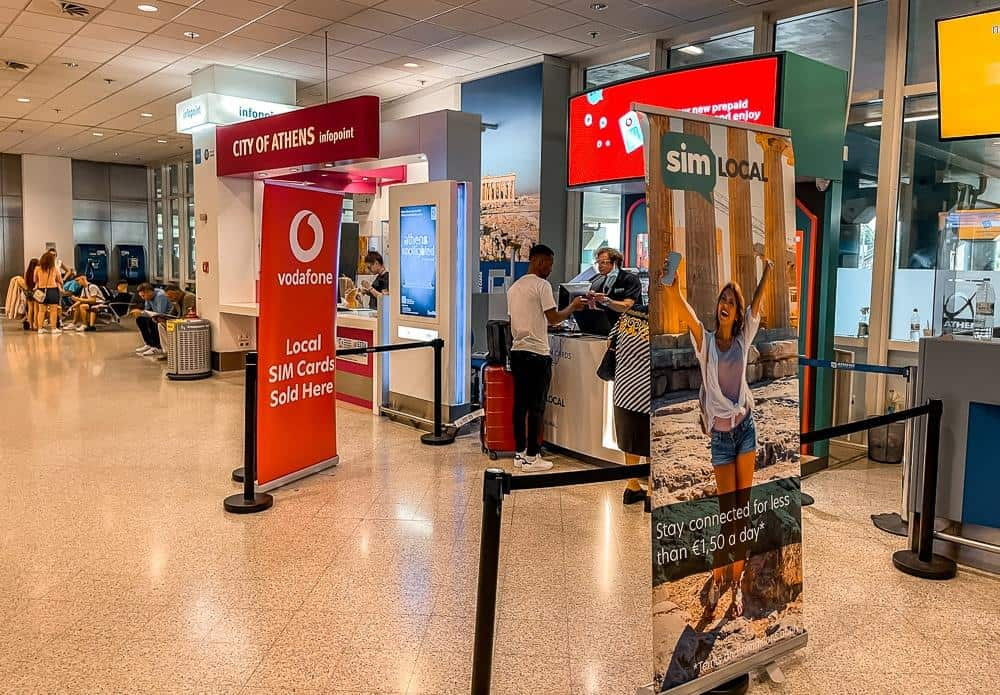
172 231
826 37
723 47
949 207
622 70
921 55
857 221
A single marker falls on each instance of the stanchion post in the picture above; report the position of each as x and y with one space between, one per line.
250 500
437 437
489 569
923 562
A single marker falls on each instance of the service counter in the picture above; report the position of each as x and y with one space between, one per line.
358 376
962 373
579 416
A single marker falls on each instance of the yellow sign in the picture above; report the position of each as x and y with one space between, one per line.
969 75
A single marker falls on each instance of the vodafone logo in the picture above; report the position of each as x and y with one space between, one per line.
310 254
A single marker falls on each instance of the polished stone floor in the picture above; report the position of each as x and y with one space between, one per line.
121 572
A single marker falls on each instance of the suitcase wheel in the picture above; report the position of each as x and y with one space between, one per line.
493 456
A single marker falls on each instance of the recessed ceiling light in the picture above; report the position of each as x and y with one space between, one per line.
144 114
192 34
59 147
71 64
147 8
692 50
117 155
411 65
98 135
161 141
24 100
599 6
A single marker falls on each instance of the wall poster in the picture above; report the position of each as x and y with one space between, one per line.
726 534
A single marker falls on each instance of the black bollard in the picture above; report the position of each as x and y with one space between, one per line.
437 437
923 562
489 569
250 500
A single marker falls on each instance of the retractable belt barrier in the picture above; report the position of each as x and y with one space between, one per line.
919 560
855 367
251 500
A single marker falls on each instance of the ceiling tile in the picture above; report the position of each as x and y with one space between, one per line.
244 9
693 10
466 20
106 34
318 44
428 33
82 55
510 54
40 36
441 55
178 31
477 63
332 10
24 51
506 9
555 45
476 45
127 21
509 32
446 72
396 45
552 20
366 55
415 9
210 20
294 20
297 55
166 12
350 34
344 65
35 20
377 20
605 33
242 44
646 19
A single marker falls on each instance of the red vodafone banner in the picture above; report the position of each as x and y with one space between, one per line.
334 132
296 333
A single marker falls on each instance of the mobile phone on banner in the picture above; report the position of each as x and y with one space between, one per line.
631 132
670 267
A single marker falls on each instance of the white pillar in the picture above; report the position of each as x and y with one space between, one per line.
47 197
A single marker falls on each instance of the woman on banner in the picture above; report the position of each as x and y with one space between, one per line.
629 340
727 414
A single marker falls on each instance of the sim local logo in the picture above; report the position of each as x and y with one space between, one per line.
689 164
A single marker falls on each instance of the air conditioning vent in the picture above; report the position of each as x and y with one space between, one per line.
72 9
16 66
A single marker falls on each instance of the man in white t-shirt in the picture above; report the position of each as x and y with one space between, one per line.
86 304
532 309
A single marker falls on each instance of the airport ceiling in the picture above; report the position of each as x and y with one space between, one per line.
99 79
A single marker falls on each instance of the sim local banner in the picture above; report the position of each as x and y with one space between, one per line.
296 334
725 462
335 132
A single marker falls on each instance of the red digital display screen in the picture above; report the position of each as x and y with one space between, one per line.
605 143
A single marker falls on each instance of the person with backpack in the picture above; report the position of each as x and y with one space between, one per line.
727 414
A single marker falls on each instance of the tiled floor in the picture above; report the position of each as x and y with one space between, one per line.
121 572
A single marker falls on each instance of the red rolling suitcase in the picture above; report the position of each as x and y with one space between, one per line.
497 430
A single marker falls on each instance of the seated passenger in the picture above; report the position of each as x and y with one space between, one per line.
183 301
85 306
156 308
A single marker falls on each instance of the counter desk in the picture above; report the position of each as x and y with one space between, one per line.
962 373
359 376
579 416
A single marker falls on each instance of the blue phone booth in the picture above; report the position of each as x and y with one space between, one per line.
91 260
132 263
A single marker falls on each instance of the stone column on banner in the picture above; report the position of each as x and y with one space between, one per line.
699 241
742 258
777 305
664 317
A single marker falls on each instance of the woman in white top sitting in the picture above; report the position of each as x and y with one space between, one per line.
727 416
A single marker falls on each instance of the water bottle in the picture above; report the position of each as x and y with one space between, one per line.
915 325
985 305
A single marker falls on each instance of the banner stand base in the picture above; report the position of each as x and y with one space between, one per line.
736 686
938 567
433 440
298 475
891 523
237 475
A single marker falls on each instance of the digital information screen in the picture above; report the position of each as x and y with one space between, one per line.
968 53
605 140
418 260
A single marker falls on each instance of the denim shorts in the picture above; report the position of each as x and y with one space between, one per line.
742 439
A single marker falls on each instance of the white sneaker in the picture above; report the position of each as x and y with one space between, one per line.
81 328
55 331
518 459
149 352
535 464
142 348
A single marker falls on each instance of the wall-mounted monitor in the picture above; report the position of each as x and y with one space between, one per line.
968 55
418 260
605 141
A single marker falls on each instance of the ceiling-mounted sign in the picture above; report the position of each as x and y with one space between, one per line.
219 109
340 131
605 141
969 75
